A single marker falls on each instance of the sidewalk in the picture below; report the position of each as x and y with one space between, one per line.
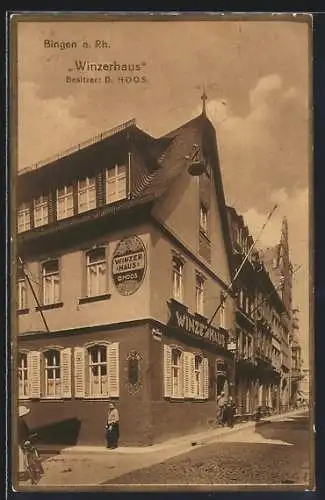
84 466
194 439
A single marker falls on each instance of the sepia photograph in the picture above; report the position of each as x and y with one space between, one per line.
161 239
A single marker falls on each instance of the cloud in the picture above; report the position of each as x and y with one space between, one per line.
265 148
53 129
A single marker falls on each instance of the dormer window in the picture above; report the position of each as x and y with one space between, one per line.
41 211
64 202
23 218
86 194
116 183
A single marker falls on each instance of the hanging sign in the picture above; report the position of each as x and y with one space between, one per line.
129 264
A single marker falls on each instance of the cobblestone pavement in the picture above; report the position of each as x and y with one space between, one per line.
272 453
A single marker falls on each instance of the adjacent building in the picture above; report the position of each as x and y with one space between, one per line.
123 258
260 325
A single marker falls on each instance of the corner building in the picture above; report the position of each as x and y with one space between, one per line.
127 255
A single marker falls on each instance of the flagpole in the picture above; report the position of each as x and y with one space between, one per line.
225 294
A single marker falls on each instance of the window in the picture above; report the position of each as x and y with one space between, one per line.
52 366
23 218
116 183
178 268
199 287
51 282
41 211
96 370
97 364
21 290
86 194
23 375
186 374
176 373
198 376
222 315
96 272
203 218
64 202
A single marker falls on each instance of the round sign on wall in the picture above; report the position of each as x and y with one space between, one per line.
129 265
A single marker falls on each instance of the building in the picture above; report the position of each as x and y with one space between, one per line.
124 256
278 264
262 331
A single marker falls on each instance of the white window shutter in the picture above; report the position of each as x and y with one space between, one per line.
187 379
167 371
113 369
66 372
205 365
79 372
192 375
182 381
34 374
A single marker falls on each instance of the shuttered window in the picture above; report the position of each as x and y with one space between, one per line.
186 375
96 371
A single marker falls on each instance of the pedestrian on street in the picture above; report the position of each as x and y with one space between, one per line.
112 427
220 408
230 410
23 433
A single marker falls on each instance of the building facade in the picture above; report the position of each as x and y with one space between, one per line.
123 257
262 327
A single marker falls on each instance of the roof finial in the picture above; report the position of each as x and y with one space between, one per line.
204 98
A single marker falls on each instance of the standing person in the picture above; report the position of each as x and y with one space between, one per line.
230 412
23 433
220 408
112 427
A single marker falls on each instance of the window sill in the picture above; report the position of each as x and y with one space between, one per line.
45 307
179 399
95 298
54 399
23 311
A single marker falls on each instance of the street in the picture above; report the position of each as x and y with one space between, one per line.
275 451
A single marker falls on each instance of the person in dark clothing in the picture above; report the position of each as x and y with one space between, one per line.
230 410
112 427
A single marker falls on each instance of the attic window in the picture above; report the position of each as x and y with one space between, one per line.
116 183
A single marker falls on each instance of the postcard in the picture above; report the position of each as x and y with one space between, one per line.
162 319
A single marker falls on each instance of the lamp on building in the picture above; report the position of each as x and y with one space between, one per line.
232 347
197 166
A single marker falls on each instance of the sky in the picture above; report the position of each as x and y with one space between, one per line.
257 79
